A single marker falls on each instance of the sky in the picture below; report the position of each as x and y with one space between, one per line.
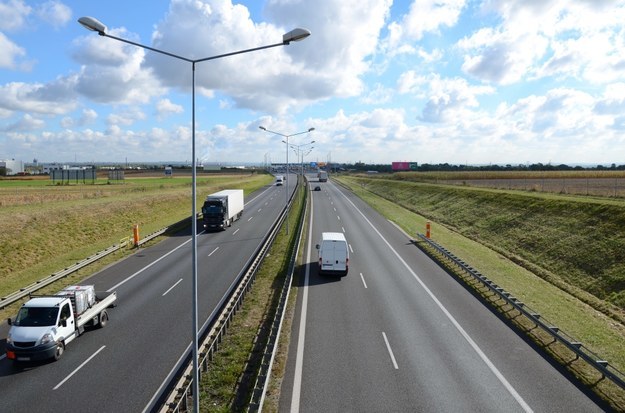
428 81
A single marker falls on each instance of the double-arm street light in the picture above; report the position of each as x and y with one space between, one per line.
301 150
286 203
293 36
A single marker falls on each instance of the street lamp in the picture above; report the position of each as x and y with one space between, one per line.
294 35
286 202
299 152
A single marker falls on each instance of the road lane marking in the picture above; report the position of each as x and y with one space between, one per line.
78 368
350 247
213 251
250 218
234 233
338 217
172 287
390 351
450 317
299 357
363 280
259 209
343 228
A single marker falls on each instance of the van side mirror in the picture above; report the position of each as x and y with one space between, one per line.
317 246
9 322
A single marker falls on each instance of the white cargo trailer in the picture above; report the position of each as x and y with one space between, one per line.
222 208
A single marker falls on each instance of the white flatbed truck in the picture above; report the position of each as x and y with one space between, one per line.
45 324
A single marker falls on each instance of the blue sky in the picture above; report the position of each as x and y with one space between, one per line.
429 81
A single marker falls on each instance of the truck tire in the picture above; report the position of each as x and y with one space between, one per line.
60 349
104 318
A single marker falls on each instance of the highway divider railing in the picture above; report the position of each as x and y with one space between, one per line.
124 242
580 351
176 394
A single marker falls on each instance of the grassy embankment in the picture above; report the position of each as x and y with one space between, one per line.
563 256
45 228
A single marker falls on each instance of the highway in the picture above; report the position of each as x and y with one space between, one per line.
399 334
120 368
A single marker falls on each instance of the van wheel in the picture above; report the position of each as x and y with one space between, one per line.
60 349
104 318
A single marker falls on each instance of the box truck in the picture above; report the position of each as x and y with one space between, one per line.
222 208
279 180
333 254
45 324
323 176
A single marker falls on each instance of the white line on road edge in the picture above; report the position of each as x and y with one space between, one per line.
363 280
390 351
172 287
299 358
213 251
78 368
451 318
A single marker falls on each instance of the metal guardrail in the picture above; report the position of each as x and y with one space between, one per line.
262 380
175 396
581 351
44 282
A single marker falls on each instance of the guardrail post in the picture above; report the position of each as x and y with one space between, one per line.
428 226
135 234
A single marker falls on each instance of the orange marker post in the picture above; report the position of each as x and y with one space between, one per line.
427 229
135 234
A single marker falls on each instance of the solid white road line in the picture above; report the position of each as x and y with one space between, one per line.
78 368
299 358
172 287
451 318
390 351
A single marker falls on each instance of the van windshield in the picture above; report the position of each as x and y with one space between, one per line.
36 316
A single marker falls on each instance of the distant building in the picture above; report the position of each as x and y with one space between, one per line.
12 166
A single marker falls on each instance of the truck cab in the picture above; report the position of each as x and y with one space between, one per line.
42 328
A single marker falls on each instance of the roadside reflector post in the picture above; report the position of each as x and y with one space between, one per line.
135 234
428 226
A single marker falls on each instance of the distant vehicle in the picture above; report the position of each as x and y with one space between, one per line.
333 254
222 208
323 176
317 188
279 180
44 325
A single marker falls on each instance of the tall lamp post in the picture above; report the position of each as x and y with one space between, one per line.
286 202
294 35
299 152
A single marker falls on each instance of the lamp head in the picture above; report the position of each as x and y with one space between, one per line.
295 35
93 24
262 127
311 129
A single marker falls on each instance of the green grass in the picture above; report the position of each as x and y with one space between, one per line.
46 229
472 224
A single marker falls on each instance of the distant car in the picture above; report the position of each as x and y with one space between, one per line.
317 188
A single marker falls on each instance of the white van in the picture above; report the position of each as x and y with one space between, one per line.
333 254
279 180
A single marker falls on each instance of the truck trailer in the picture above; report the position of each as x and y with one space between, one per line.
222 208
323 176
45 324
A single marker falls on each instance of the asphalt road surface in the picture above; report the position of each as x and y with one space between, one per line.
120 368
398 334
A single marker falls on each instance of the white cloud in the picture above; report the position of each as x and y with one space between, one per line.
26 123
54 13
165 107
424 16
126 118
9 53
13 14
55 98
